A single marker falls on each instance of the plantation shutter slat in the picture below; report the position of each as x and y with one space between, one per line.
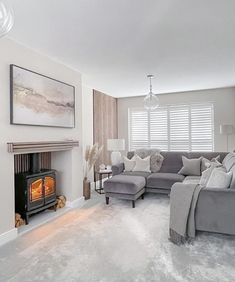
138 120
202 127
179 128
158 129
173 128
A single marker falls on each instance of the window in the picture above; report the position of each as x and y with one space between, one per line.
173 128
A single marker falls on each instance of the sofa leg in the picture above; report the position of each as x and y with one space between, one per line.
133 204
142 196
107 200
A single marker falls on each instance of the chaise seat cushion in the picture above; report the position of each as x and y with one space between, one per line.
163 180
192 180
137 173
124 184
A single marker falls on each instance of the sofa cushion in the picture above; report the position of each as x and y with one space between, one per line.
227 157
137 173
192 180
207 173
129 164
142 164
156 161
124 184
191 167
207 163
143 153
229 162
219 179
172 161
207 155
156 158
163 180
232 184
130 154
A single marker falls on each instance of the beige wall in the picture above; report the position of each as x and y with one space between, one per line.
87 121
13 53
224 110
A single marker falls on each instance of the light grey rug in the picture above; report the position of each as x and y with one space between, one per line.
116 243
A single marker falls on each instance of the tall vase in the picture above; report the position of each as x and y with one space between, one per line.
86 189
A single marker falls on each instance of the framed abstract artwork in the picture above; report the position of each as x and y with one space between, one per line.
37 99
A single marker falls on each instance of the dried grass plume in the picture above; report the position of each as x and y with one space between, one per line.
92 154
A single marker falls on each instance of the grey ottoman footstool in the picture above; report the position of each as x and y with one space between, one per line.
124 187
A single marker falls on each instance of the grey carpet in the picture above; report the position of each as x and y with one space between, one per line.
116 243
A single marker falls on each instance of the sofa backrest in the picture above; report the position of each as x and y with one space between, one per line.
173 160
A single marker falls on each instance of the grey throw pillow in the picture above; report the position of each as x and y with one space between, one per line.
191 166
156 161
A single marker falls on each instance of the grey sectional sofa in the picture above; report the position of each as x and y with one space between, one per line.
215 210
162 181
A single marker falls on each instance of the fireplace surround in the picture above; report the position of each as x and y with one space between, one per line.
35 189
64 156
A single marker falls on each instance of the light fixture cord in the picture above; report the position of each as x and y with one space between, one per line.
150 82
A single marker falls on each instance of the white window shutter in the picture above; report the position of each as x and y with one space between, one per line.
202 127
159 129
138 129
173 128
179 128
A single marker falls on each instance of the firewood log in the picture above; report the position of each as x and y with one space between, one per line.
18 220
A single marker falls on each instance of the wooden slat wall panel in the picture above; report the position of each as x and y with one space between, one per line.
22 162
105 122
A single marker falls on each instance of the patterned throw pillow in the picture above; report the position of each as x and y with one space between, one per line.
156 161
207 163
143 153
129 164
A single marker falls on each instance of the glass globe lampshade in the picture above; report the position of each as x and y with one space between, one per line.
6 18
151 102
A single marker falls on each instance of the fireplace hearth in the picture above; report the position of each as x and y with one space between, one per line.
35 190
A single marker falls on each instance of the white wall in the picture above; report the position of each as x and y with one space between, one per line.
13 53
224 110
87 121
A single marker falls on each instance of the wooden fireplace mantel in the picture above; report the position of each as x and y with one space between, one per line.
41 146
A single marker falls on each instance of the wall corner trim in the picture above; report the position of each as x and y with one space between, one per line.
78 203
8 236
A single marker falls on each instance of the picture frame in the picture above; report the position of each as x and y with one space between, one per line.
39 100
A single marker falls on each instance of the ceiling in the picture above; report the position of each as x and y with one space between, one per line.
186 44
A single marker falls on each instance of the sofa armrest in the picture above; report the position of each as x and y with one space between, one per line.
216 210
117 169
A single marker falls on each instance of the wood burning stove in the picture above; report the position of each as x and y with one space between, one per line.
35 190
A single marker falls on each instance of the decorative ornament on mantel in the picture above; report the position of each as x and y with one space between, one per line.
151 101
6 18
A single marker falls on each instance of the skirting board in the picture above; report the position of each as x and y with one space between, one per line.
78 203
8 236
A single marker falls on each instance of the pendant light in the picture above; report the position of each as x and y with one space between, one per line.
151 101
6 18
